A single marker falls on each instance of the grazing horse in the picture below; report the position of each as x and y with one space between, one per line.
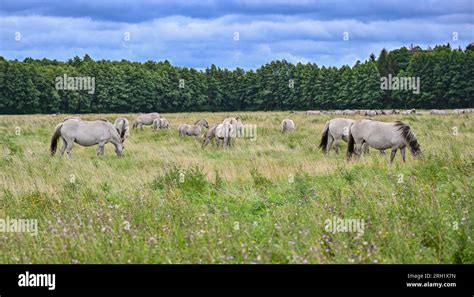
236 124
145 119
371 113
409 112
313 112
388 111
287 125
335 130
86 133
160 124
192 130
223 134
349 112
210 134
439 112
123 128
382 136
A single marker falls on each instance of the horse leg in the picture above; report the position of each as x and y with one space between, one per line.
206 142
402 152
382 152
69 145
330 141
336 145
63 147
392 155
366 148
358 150
100 149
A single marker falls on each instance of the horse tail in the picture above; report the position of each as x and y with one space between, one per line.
122 134
54 139
324 138
126 128
350 144
135 124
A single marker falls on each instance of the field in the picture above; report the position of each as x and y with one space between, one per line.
264 201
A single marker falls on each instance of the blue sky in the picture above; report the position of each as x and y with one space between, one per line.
233 33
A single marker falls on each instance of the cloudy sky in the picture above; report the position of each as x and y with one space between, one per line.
232 33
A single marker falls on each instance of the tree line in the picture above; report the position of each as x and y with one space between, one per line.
446 77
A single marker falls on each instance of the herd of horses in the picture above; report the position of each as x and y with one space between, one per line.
359 134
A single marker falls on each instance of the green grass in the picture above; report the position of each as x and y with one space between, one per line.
264 201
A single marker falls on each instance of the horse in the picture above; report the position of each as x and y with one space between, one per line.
223 134
287 125
145 119
123 128
439 112
85 133
313 112
409 112
236 123
161 123
210 134
388 111
192 130
382 136
335 130
371 113
349 112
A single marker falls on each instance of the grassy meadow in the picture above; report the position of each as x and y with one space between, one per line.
167 200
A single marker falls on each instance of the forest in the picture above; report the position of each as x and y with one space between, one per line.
446 76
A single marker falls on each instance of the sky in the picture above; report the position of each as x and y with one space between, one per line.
230 34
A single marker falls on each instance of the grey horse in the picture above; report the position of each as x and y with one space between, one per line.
382 136
86 133
192 130
160 124
209 135
287 125
123 128
223 134
236 122
439 112
334 131
409 112
145 119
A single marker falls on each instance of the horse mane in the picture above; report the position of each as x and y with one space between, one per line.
199 121
408 135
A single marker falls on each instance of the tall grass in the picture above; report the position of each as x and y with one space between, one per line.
264 201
